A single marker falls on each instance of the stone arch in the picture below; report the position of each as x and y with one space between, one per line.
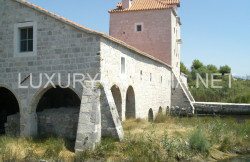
9 108
150 115
57 98
38 95
130 103
58 112
117 98
160 110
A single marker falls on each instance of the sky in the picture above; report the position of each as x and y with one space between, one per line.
213 31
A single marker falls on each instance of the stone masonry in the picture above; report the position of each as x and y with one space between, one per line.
64 47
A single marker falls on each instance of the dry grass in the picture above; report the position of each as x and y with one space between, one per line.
144 141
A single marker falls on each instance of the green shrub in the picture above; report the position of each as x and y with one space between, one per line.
226 145
198 141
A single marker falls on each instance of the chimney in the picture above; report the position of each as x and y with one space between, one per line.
126 4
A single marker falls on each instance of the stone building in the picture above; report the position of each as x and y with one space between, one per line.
42 55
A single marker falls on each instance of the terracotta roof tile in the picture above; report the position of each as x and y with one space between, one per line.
139 5
87 30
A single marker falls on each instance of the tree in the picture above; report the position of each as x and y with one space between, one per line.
225 69
197 65
212 69
184 69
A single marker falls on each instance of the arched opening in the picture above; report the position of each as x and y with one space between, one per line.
58 113
117 98
9 113
150 115
167 110
160 110
130 103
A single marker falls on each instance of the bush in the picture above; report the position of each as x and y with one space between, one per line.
198 141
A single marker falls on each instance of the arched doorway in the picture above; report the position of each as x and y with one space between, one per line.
130 103
160 110
118 99
58 112
9 108
150 115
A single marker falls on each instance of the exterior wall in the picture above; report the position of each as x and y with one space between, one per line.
12 126
60 49
175 46
62 121
183 77
148 94
155 38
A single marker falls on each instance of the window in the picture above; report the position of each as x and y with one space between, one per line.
138 28
141 74
26 39
122 65
161 79
25 43
150 77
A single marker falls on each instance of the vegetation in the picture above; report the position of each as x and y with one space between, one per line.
170 139
236 92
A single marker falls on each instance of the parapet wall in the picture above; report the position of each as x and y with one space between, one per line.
221 108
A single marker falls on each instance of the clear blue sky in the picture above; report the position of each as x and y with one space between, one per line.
213 31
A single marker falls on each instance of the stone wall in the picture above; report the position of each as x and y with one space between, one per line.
221 108
149 79
62 122
61 48
181 98
175 45
12 126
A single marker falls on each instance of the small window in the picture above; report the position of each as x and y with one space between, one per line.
139 28
122 65
161 79
141 74
26 39
150 77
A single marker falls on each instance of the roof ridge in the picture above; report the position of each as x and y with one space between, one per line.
87 30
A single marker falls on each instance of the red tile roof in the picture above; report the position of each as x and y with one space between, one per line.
87 30
140 5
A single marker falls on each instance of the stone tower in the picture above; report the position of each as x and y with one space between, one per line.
151 26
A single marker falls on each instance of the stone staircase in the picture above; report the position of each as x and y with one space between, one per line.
181 98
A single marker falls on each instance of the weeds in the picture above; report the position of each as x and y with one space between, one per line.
167 139
198 141
161 118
